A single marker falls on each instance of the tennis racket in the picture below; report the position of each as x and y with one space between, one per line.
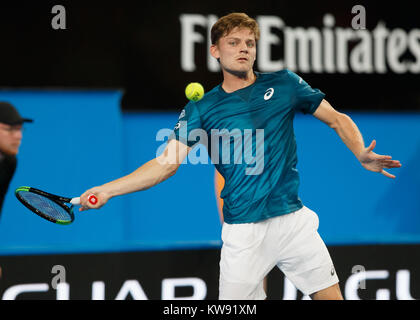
49 206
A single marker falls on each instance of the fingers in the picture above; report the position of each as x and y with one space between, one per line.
92 199
387 174
88 200
384 157
84 203
372 146
388 164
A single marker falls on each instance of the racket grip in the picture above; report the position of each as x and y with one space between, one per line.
91 198
75 201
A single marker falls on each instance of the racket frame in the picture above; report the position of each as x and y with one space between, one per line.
56 199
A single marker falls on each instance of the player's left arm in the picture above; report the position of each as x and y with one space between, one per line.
349 133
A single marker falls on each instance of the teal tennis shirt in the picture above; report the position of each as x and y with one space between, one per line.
250 139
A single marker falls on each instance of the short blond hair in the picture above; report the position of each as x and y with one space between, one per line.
226 24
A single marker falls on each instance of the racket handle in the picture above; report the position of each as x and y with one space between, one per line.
75 201
91 198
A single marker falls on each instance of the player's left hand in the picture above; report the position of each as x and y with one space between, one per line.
376 162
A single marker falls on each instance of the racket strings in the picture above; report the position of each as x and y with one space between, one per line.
46 206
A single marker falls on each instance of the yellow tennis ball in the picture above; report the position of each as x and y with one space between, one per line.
194 91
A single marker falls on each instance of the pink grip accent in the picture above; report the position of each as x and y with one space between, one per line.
92 199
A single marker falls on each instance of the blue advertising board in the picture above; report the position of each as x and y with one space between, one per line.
81 139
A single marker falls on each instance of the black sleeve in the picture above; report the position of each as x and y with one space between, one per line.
7 170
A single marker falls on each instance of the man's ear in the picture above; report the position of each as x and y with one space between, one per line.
214 51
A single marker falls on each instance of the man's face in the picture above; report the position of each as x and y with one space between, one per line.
236 51
10 138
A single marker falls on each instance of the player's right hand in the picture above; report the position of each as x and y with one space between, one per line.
99 193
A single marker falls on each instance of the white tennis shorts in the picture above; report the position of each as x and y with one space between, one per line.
291 242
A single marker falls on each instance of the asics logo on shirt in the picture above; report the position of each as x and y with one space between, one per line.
182 115
268 94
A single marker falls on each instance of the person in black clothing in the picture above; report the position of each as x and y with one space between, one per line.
10 138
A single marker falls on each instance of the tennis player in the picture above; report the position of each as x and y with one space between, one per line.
265 222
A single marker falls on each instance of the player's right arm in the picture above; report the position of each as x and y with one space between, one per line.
148 175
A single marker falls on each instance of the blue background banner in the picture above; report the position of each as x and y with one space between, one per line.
66 152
